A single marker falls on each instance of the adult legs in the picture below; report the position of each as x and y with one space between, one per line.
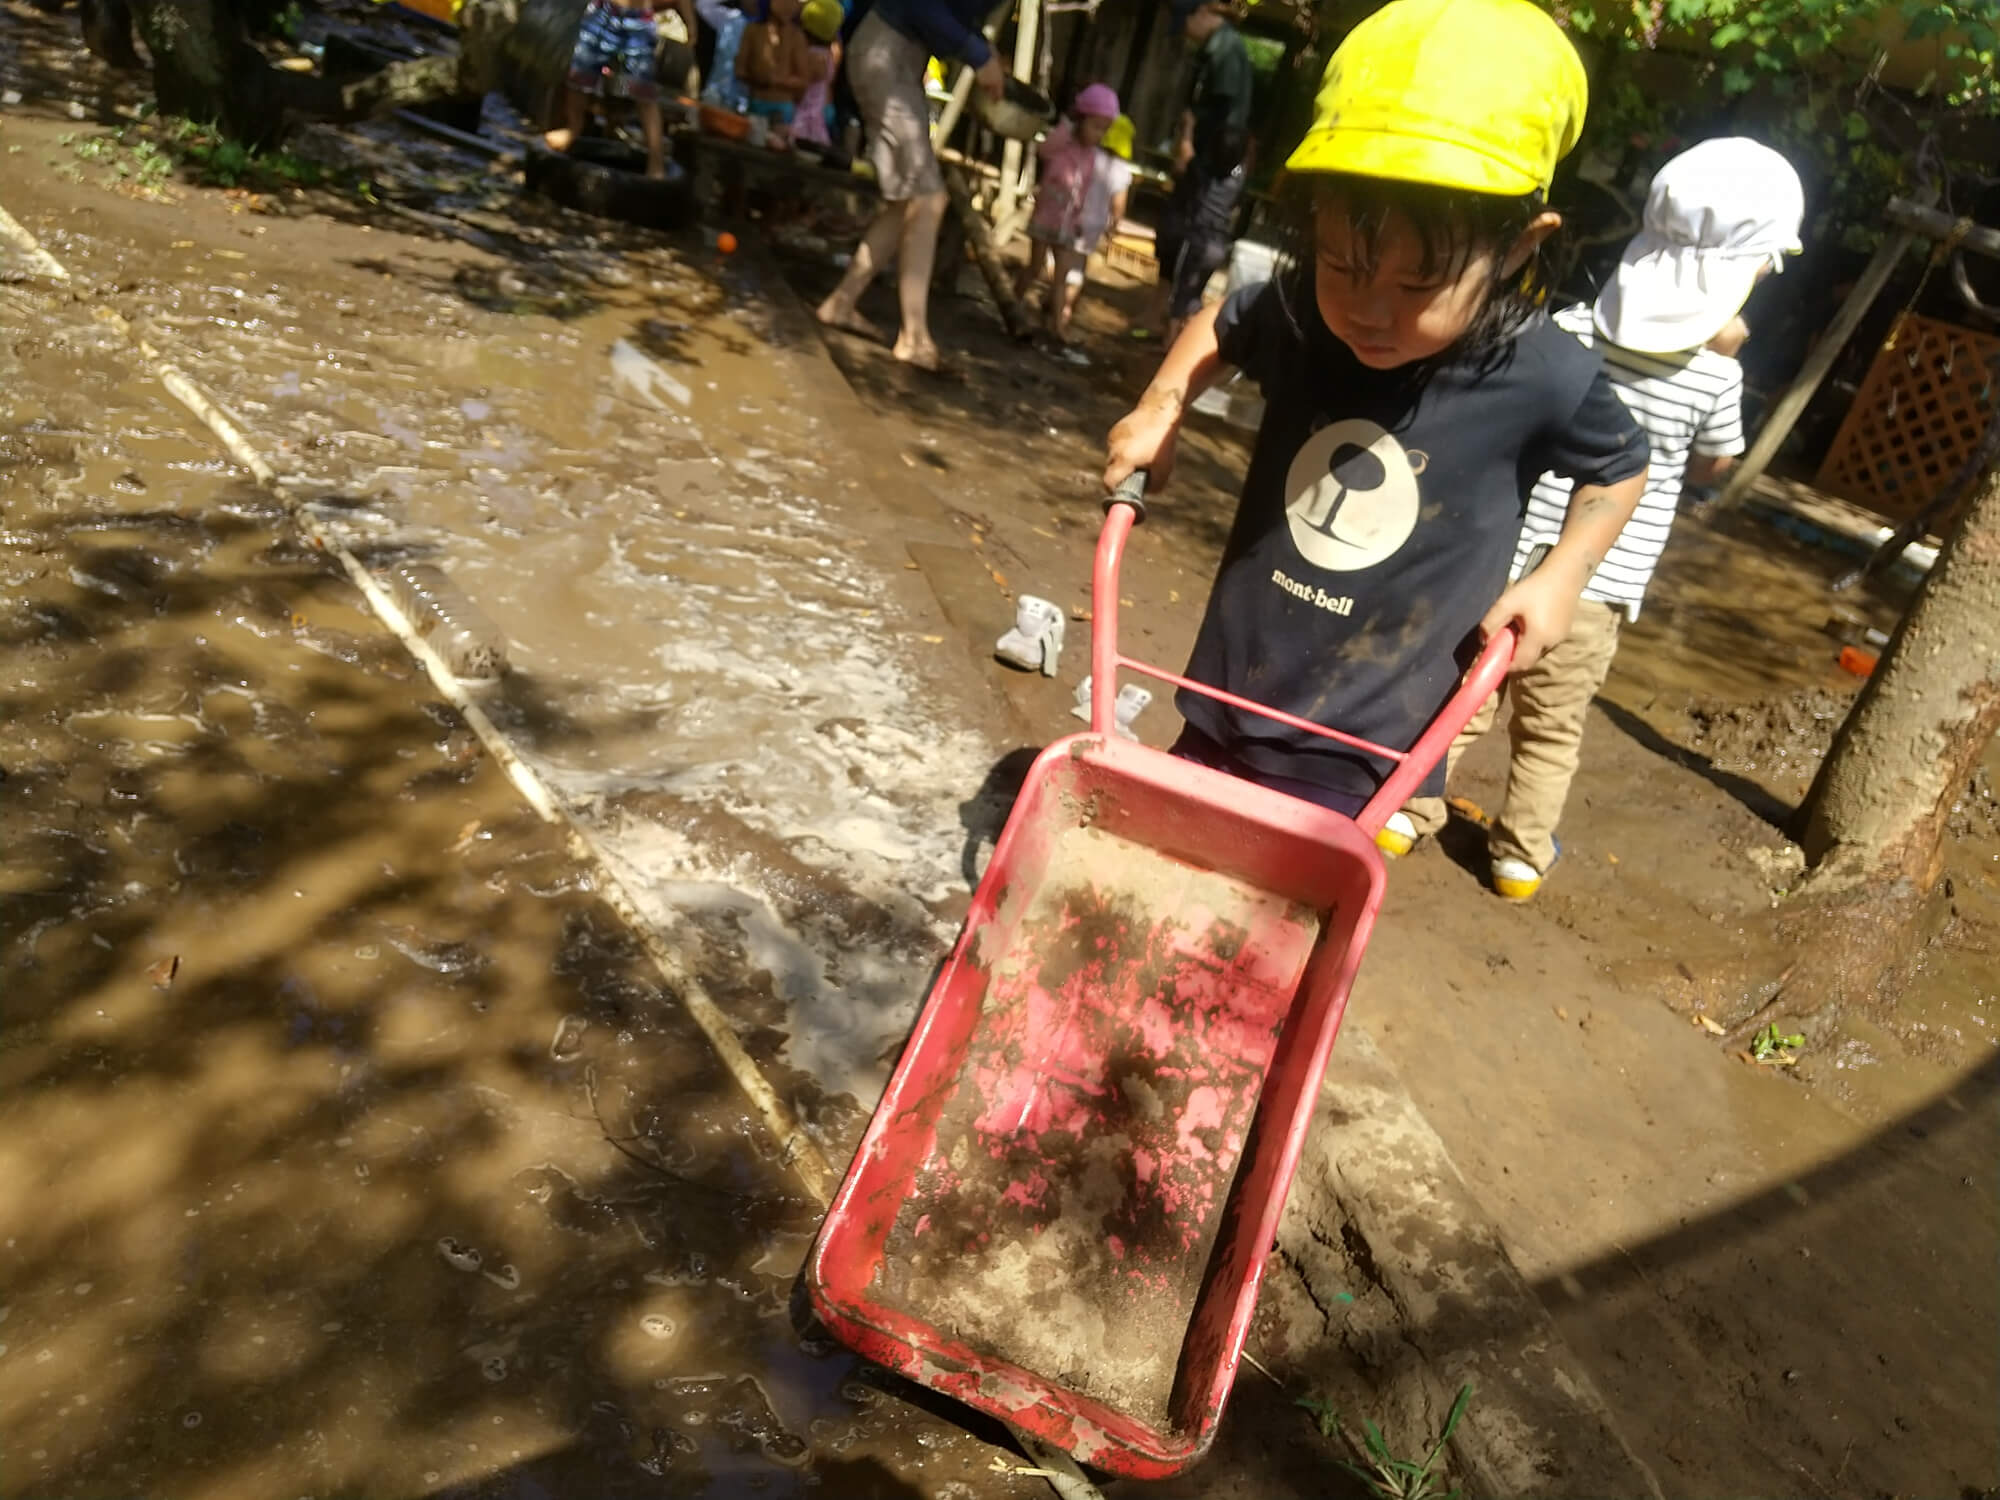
875 253
919 253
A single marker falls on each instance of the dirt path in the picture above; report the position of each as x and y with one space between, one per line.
1779 1282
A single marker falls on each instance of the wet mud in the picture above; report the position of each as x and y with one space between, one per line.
353 1147
1065 1216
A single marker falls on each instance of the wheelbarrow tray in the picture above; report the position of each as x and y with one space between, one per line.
1061 1209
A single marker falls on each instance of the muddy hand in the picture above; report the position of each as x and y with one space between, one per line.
1145 438
1541 607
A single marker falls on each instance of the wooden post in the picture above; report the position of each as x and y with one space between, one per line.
980 237
1026 27
1791 406
1905 214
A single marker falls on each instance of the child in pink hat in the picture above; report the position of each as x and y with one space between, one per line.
1081 195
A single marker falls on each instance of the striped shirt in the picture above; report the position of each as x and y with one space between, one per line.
1688 403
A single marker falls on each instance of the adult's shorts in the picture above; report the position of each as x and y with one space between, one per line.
886 70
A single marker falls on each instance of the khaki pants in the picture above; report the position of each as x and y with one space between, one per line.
1550 700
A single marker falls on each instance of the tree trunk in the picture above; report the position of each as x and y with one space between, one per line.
205 69
1876 811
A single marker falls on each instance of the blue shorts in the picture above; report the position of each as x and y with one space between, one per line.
780 110
614 52
1195 746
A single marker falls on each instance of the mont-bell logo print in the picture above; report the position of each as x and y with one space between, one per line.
1351 495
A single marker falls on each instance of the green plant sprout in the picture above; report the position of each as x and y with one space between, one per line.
1385 1476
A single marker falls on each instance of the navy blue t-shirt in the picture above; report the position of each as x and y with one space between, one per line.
1376 527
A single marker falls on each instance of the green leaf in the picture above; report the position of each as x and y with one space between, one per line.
1730 35
1736 80
1925 25
1377 1444
1857 125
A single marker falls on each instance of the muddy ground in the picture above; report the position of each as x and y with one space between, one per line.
451 1185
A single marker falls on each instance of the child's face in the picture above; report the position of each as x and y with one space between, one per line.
1401 311
1090 129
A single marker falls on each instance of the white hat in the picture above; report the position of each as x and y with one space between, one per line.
1717 214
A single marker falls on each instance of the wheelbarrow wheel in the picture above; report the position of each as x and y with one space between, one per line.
608 179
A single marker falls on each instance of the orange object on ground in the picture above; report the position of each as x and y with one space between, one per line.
726 242
725 123
1854 659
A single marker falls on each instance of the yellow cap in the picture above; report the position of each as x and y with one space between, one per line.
822 19
1119 136
1486 95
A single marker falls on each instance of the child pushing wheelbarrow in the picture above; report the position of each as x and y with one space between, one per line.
1061 1210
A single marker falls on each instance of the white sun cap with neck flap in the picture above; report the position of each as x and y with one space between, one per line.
1717 215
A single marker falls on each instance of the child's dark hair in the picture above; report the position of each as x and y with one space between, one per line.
1453 226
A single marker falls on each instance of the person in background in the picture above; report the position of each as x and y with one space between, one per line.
1080 196
614 53
1210 149
775 61
1719 217
724 90
1413 390
822 20
886 65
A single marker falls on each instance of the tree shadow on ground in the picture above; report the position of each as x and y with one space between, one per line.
1861 1294
353 1138
1771 809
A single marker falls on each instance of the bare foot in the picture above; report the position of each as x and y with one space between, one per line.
559 140
923 355
657 171
848 321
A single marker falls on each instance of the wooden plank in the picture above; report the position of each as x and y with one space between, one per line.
1937 225
1791 406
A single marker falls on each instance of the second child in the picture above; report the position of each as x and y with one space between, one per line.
1719 217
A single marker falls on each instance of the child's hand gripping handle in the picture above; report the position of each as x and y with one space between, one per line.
1131 491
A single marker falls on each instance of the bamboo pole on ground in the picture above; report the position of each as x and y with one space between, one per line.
980 236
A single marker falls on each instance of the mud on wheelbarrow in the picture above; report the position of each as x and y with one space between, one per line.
1061 1209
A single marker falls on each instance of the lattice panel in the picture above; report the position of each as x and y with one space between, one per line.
1918 417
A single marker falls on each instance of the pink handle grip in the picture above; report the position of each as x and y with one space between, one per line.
1412 765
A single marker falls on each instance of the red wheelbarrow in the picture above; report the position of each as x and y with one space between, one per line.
1061 1209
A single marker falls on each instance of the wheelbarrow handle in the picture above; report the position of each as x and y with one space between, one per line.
1125 508
1131 491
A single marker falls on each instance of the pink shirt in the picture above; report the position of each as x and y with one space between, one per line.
809 120
1073 198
